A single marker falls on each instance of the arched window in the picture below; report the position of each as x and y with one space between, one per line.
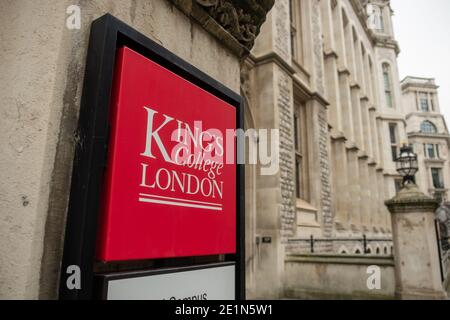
388 85
428 127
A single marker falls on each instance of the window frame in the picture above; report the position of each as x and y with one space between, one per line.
393 139
424 102
387 82
300 151
425 125
440 183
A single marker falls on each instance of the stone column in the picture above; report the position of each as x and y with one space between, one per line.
357 116
354 188
341 183
369 79
339 36
360 66
417 262
417 101
346 104
373 186
364 200
366 126
379 142
351 60
332 83
374 131
327 25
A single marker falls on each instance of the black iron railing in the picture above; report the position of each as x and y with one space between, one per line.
443 247
364 241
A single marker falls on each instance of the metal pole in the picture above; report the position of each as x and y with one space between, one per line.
365 243
436 226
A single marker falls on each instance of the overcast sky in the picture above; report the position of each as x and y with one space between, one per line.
422 29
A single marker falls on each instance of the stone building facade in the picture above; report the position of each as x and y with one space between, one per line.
324 72
43 57
428 134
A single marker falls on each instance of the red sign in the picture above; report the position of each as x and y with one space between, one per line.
169 191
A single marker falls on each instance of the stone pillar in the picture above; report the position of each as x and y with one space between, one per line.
417 262
360 67
274 203
351 60
339 36
364 201
354 188
382 210
327 25
332 83
366 126
273 109
374 131
340 171
373 186
346 104
357 120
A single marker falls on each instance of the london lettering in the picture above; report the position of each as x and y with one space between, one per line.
189 147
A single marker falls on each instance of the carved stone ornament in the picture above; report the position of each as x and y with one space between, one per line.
241 18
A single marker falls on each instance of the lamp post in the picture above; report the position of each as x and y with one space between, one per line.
414 234
407 165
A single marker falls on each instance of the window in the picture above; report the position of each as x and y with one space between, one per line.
431 151
296 30
301 172
298 155
381 22
376 20
394 140
436 175
388 85
428 127
424 102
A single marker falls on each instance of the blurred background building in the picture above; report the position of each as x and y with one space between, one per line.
325 74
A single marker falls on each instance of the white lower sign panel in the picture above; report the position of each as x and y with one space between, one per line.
217 283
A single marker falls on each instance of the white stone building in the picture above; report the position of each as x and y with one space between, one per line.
428 134
324 72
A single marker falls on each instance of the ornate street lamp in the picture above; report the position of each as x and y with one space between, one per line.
407 165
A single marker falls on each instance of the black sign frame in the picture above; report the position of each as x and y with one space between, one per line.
107 35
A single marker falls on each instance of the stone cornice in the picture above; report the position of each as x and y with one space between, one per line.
387 42
428 135
419 86
410 199
273 57
425 115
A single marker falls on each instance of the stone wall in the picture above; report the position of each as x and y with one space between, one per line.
40 85
337 277
325 177
287 161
